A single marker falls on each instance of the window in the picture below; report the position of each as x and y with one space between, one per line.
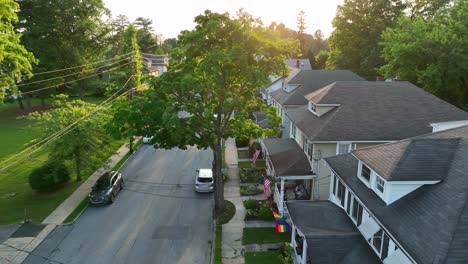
377 240
380 242
365 172
310 150
341 193
348 205
379 184
343 148
313 107
334 185
356 213
293 130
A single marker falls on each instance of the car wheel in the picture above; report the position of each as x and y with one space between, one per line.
112 198
121 185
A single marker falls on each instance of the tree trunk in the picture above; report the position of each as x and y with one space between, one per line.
20 103
130 145
81 91
78 165
218 179
28 103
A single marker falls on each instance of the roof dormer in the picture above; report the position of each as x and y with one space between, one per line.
320 109
290 87
397 169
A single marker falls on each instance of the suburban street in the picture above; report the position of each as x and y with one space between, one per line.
157 218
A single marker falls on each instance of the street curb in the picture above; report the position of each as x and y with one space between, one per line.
213 243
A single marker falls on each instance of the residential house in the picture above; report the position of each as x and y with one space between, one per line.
304 82
408 200
344 116
155 64
294 66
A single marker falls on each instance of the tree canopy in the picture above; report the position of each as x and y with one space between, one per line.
431 52
354 43
15 61
208 93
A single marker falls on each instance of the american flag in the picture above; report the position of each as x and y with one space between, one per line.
266 185
255 156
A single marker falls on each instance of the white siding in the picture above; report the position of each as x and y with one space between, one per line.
396 191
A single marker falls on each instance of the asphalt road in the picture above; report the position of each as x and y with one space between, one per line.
157 218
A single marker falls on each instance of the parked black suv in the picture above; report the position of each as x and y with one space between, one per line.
106 188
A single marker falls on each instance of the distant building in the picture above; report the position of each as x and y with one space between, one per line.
155 65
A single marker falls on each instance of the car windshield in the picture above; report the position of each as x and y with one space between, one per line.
103 182
205 179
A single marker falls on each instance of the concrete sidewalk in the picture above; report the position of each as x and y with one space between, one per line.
232 249
68 206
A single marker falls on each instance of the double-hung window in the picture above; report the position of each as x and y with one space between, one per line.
293 130
356 213
379 184
380 242
365 172
343 148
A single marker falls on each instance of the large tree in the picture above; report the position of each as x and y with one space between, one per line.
146 38
431 52
358 27
62 34
15 61
207 95
84 142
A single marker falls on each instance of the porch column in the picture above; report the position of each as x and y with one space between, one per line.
304 251
281 199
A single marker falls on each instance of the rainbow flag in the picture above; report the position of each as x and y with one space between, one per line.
276 215
282 226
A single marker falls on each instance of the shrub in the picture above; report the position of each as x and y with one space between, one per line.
228 213
250 190
252 175
251 213
242 142
255 146
265 213
49 176
250 204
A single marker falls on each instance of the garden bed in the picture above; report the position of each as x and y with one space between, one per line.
243 154
263 235
266 257
250 189
252 175
248 164
258 210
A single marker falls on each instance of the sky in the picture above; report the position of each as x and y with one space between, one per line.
171 16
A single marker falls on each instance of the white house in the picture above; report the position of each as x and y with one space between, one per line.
407 200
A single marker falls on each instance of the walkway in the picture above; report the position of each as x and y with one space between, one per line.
69 205
232 249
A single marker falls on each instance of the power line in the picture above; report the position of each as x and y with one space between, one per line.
64 132
71 74
75 67
52 86
47 138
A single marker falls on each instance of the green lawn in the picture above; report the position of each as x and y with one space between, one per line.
16 196
266 257
218 245
77 211
263 235
248 164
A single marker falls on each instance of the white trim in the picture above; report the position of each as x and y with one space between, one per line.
298 177
375 218
327 104
356 141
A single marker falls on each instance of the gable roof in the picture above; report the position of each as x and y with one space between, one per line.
287 157
373 111
304 64
310 81
424 159
431 223
335 240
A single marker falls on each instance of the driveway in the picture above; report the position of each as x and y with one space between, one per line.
157 218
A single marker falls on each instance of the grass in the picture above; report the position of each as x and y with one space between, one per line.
252 175
248 164
229 211
80 208
266 257
243 154
263 235
218 245
16 196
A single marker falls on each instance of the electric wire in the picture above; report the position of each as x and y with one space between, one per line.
71 74
53 86
58 132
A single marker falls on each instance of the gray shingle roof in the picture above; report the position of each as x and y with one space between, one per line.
287 157
304 64
330 234
431 223
411 160
310 81
374 111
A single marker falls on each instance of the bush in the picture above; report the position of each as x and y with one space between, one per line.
49 176
250 204
242 142
255 146
265 213
250 190
252 175
228 213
